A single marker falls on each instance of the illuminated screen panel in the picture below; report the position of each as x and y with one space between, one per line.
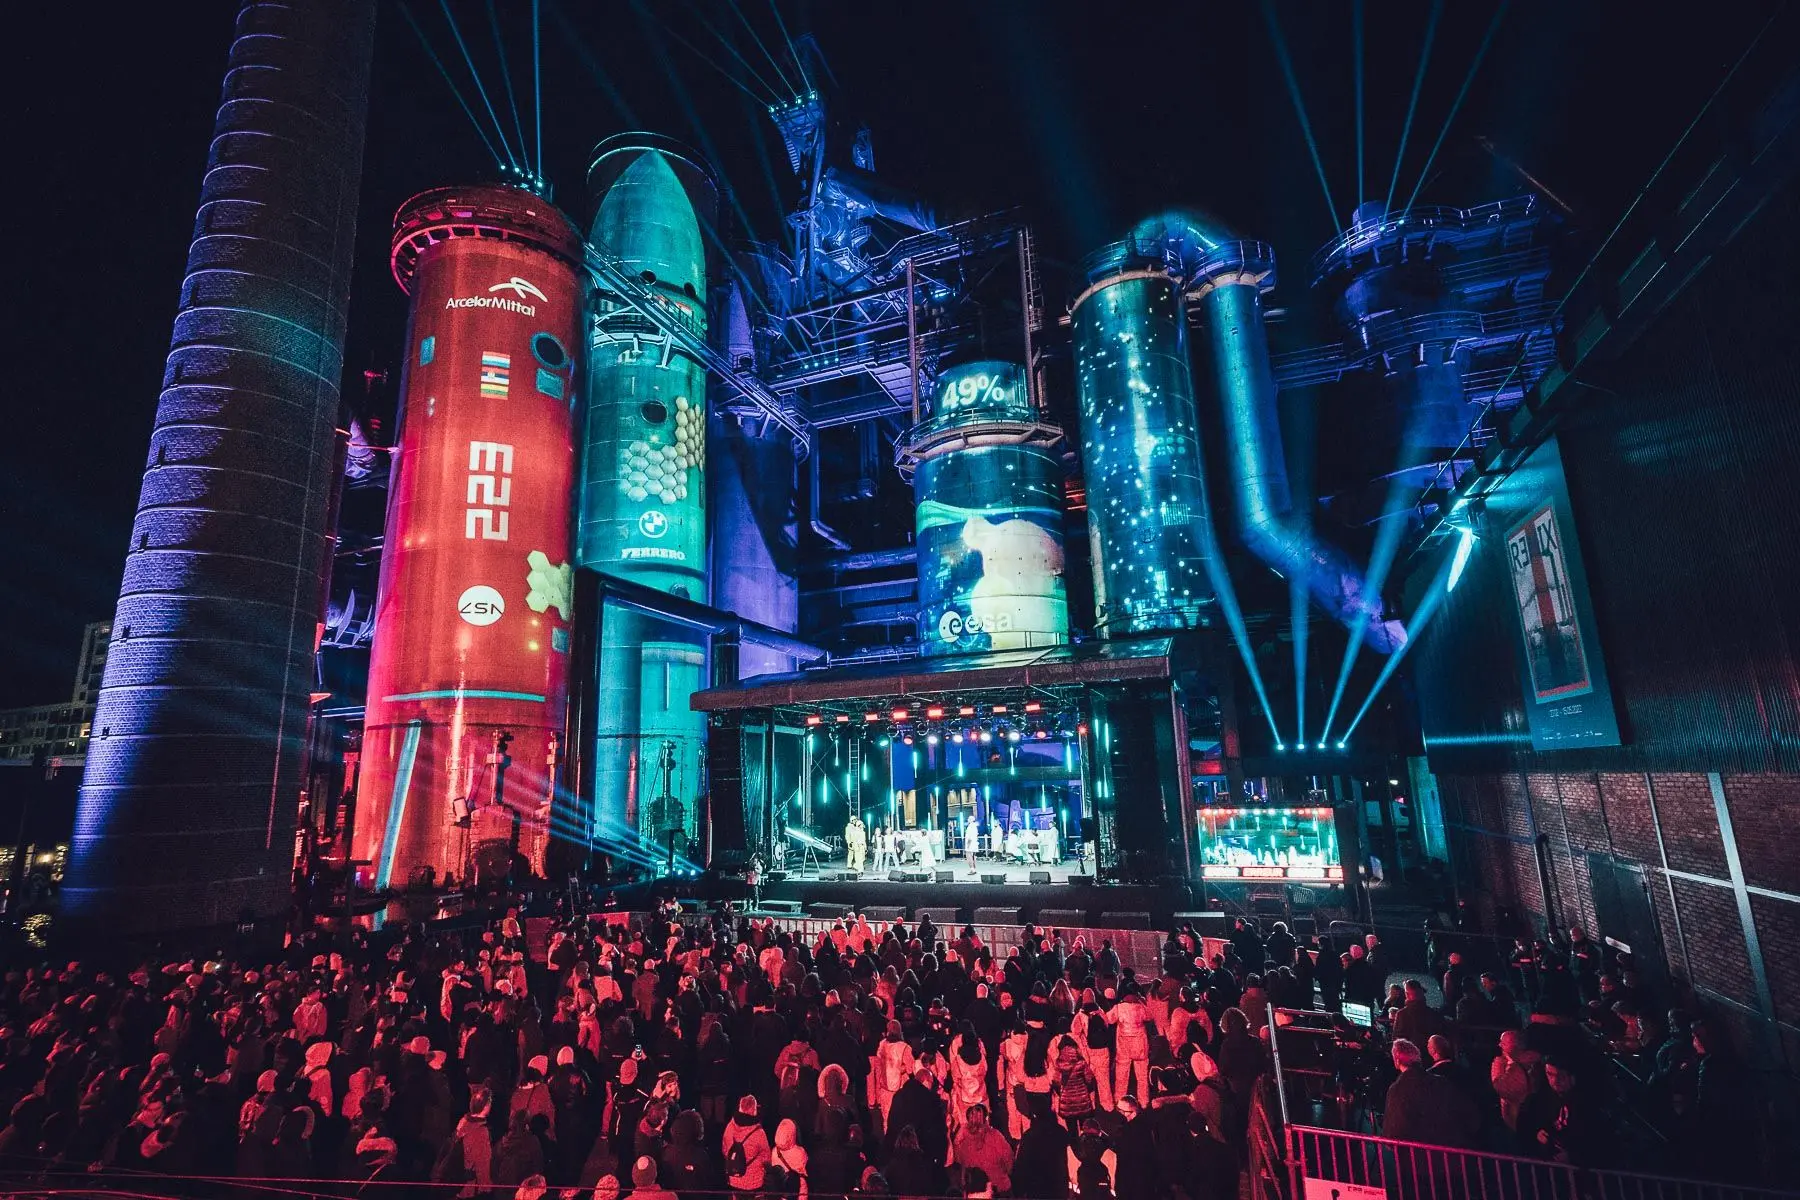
1299 844
989 523
1140 452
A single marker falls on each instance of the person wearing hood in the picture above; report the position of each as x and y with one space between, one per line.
981 1146
834 1096
912 1170
686 1165
892 1066
918 1107
791 1157
745 1145
532 1097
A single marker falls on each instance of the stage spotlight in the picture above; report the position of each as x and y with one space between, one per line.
843 718
815 720
871 718
1041 734
1034 706
967 710
931 739
1321 745
987 735
957 738
1340 745
1012 735
899 714
883 743
999 709
934 713
1281 745
1082 729
907 739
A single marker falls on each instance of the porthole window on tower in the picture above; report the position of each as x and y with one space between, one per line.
549 351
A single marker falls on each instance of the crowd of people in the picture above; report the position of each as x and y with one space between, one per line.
661 1056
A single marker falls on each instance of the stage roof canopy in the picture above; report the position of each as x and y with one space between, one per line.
1061 666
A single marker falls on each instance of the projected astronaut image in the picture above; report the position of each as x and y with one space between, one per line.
989 527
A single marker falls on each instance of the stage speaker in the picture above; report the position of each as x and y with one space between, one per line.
946 877
1081 881
1001 878
896 876
918 877
1040 878
849 876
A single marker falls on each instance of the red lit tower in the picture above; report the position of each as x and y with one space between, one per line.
467 680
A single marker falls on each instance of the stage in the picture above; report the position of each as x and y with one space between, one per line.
1061 894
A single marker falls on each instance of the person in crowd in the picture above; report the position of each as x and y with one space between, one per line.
1425 1108
661 1054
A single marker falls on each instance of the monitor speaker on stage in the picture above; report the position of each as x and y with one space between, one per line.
896 876
1040 878
1001 878
1081 881
946 877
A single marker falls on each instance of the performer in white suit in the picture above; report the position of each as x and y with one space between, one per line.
856 843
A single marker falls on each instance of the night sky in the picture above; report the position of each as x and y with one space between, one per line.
1087 115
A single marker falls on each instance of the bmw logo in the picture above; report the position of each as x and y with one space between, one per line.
653 524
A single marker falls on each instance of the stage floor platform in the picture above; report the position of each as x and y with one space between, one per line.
998 893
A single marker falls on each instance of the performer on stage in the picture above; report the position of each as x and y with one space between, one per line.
884 850
856 843
971 842
927 861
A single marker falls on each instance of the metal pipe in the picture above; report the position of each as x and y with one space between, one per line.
1225 276
812 513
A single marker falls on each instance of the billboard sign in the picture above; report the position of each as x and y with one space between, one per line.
1567 700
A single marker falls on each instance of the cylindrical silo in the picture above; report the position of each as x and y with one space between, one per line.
472 620
1140 448
988 485
641 507
193 776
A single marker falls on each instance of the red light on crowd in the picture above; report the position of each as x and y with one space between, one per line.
814 720
1033 706
934 713
899 714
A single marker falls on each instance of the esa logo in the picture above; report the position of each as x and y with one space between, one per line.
653 524
481 605
953 625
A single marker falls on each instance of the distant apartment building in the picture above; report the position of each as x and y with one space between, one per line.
59 731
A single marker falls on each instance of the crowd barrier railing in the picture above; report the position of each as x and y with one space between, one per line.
1353 1166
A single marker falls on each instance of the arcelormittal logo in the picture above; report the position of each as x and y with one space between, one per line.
520 289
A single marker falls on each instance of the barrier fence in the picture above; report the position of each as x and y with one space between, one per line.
1139 949
1329 1164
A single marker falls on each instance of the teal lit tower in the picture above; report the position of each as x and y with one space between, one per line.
1140 446
641 506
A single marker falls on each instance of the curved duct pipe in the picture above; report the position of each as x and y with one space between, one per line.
1225 276
831 536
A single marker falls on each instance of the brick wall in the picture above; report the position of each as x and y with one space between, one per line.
1667 824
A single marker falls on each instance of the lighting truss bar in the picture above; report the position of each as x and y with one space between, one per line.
612 275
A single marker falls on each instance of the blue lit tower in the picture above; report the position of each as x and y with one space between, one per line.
194 772
1140 444
989 514
641 505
